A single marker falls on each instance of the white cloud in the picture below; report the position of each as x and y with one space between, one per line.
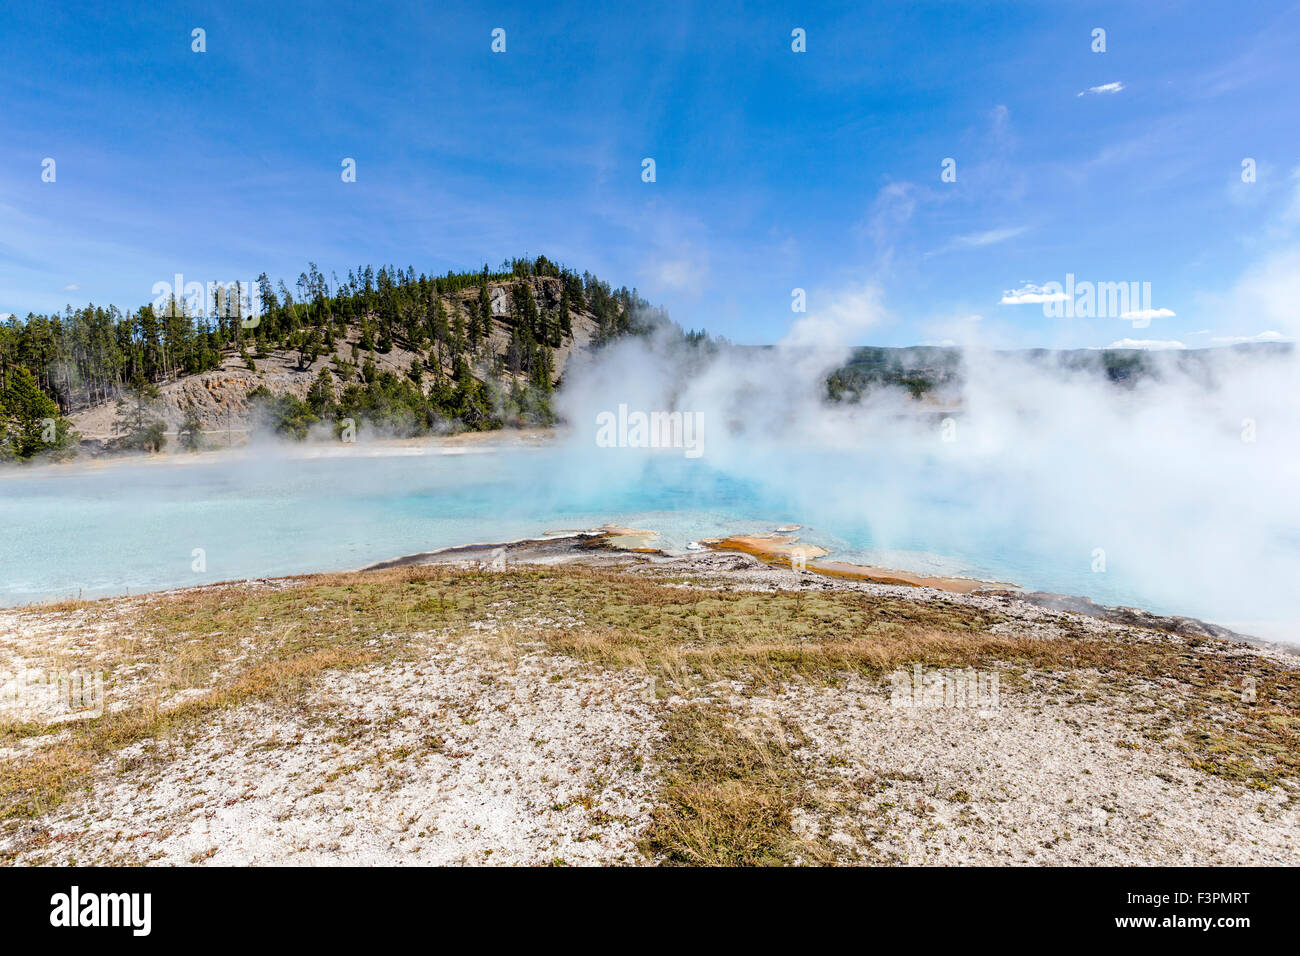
1030 294
1269 336
1154 344
72 288
1146 315
1104 88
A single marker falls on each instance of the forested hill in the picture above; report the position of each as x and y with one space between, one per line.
391 353
384 350
936 374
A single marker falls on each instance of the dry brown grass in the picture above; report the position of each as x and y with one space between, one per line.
729 787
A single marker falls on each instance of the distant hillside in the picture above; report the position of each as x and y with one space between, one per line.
936 374
386 351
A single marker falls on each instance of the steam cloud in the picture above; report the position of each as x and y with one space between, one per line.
1185 480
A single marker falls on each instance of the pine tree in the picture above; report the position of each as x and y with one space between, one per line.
137 425
543 369
565 321
190 433
475 330
485 306
30 422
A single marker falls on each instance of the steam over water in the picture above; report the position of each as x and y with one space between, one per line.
94 531
1174 492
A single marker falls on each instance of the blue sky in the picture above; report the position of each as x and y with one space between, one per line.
775 169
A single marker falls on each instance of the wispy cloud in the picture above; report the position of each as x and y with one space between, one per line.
989 237
681 275
978 240
1146 315
1115 87
890 211
1269 336
1030 294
